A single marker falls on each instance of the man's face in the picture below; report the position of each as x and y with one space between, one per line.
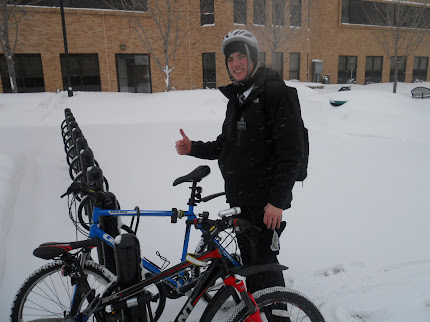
237 64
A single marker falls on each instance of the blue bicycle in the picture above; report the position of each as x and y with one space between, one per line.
49 279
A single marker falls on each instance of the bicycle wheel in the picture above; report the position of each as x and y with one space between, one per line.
221 304
280 304
46 295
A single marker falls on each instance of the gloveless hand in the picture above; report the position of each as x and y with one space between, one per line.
272 216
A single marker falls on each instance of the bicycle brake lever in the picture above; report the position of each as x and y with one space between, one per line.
75 187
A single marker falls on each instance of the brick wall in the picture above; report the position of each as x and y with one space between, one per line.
102 32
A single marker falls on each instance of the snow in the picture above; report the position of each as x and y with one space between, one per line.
357 236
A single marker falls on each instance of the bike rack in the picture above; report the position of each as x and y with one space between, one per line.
83 167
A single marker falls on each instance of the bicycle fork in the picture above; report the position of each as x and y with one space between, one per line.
248 299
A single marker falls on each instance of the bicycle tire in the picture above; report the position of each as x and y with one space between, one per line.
56 291
217 305
46 289
282 304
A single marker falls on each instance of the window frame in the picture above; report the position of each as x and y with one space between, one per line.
278 13
148 75
373 75
401 72
262 58
354 12
82 75
420 71
344 74
209 74
260 6
279 55
295 70
296 13
240 16
85 4
25 77
207 12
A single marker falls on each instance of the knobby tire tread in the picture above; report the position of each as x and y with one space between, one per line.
277 295
46 270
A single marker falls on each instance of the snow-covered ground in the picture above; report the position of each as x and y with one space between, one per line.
357 238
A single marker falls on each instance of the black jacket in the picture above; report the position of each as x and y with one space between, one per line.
261 144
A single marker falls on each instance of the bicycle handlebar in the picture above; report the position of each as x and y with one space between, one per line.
77 187
226 221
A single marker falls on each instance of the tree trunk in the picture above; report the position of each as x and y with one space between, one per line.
12 74
396 74
7 49
167 79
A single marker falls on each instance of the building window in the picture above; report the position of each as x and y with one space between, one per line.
140 5
384 14
401 69
209 70
84 72
347 70
28 72
260 12
420 69
240 16
207 10
133 73
296 13
345 11
294 66
278 63
373 72
262 58
278 9
352 12
366 12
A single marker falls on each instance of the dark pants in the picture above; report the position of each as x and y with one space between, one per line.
255 249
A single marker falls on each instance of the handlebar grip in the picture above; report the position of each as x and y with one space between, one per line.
240 223
191 221
230 212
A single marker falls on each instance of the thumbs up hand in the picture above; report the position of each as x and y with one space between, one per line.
183 146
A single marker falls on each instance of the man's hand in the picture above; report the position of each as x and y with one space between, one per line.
272 216
183 146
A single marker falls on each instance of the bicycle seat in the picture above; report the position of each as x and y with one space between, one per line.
52 250
194 176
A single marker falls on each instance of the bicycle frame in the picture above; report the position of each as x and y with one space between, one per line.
97 232
130 298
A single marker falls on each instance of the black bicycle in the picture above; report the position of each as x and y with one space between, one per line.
99 297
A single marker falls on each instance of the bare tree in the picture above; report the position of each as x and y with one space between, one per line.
171 24
402 28
281 24
11 16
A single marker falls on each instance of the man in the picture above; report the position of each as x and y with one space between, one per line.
259 151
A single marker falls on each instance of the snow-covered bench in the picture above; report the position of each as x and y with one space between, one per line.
420 92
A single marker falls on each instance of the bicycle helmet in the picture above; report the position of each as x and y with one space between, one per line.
241 40
240 35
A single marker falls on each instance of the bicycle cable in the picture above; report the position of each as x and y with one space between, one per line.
73 212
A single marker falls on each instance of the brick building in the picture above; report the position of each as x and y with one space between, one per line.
106 54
